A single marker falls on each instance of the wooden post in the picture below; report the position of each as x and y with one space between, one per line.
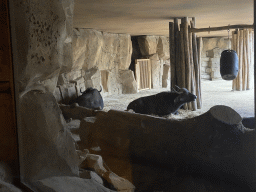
182 60
176 52
196 68
238 53
193 84
234 47
178 60
172 54
187 58
240 73
250 60
245 59
199 46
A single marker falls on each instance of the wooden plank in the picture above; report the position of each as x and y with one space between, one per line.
137 73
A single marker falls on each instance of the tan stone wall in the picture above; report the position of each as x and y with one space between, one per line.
210 60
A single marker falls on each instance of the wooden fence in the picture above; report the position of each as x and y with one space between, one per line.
143 73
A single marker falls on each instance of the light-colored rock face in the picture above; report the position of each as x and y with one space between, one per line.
65 184
47 30
148 45
210 59
163 48
129 85
46 146
105 51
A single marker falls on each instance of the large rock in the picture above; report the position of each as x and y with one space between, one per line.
166 76
45 37
68 184
129 84
148 45
163 48
156 71
211 43
7 187
46 146
92 78
105 51
87 48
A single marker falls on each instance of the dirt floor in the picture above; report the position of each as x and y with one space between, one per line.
217 92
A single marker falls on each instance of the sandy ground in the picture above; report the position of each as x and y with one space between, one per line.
217 92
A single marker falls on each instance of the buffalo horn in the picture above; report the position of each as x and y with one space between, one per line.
100 88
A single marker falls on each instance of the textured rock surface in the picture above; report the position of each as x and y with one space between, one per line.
92 48
45 40
148 45
163 48
129 85
210 60
47 148
68 184
7 187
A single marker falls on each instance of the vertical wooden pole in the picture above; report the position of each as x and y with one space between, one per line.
238 54
196 67
199 46
187 58
245 59
176 51
178 60
172 54
182 59
234 47
193 84
240 73
250 62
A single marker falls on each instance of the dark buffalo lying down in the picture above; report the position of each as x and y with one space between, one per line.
90 98
163 103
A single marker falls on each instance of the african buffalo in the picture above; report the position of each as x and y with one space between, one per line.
90 98
162 103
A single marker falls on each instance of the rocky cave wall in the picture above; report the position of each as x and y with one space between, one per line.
155 48
107 60
210 59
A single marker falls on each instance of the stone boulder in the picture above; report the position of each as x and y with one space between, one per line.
8 187
129 84
68 184
92 78
92 48
163 48
148 44
87 48
47 148
44 38
156 71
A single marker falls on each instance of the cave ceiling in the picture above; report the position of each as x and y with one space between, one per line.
152 17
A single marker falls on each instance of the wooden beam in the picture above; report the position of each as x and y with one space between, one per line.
197 30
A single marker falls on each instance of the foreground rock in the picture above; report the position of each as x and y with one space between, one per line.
215 144
68 184
8 187
47 148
